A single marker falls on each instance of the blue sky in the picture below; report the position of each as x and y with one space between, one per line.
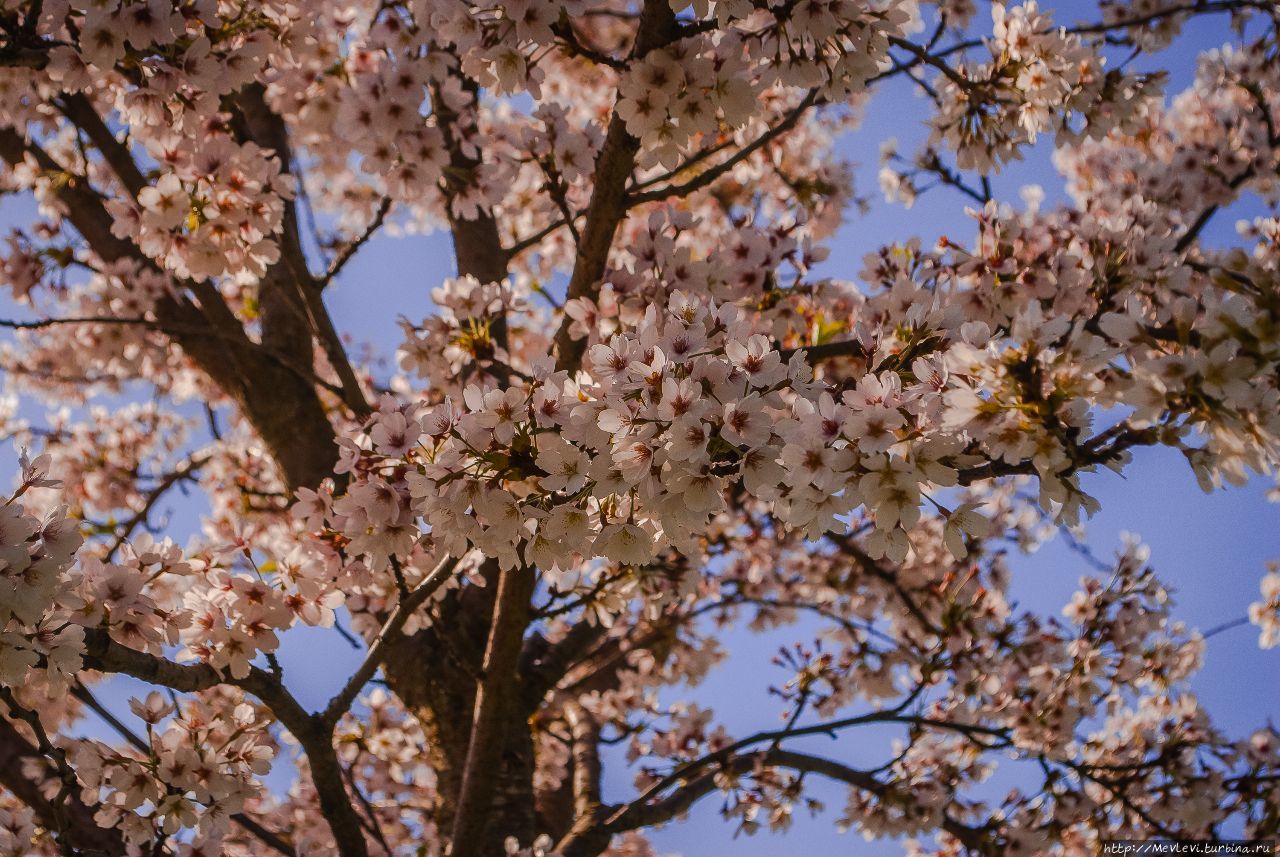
1210 548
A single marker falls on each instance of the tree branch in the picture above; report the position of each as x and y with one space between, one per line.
42 323
105 654
586 761
184 471
390 630
1100 450
932 60
851 348
494 701
268 837
352 247
77 108
543 664
584 842
710 175
608 203
1202 220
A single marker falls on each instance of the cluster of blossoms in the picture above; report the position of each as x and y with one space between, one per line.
149 597
201 762
1046 79
1193 154
44 611
201 756
214 211
668 101
383 748
380 87
1148 24
108 461
106 352
697 396
17 831
213 204
465 310
35 553
1266 613
216 53
645 453
377 106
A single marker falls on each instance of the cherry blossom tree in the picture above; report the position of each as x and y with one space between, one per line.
636 417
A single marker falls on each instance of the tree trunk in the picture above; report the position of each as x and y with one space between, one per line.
435 675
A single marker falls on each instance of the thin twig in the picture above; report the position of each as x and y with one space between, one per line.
378 649
352 247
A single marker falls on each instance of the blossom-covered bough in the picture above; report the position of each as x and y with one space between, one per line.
636 418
